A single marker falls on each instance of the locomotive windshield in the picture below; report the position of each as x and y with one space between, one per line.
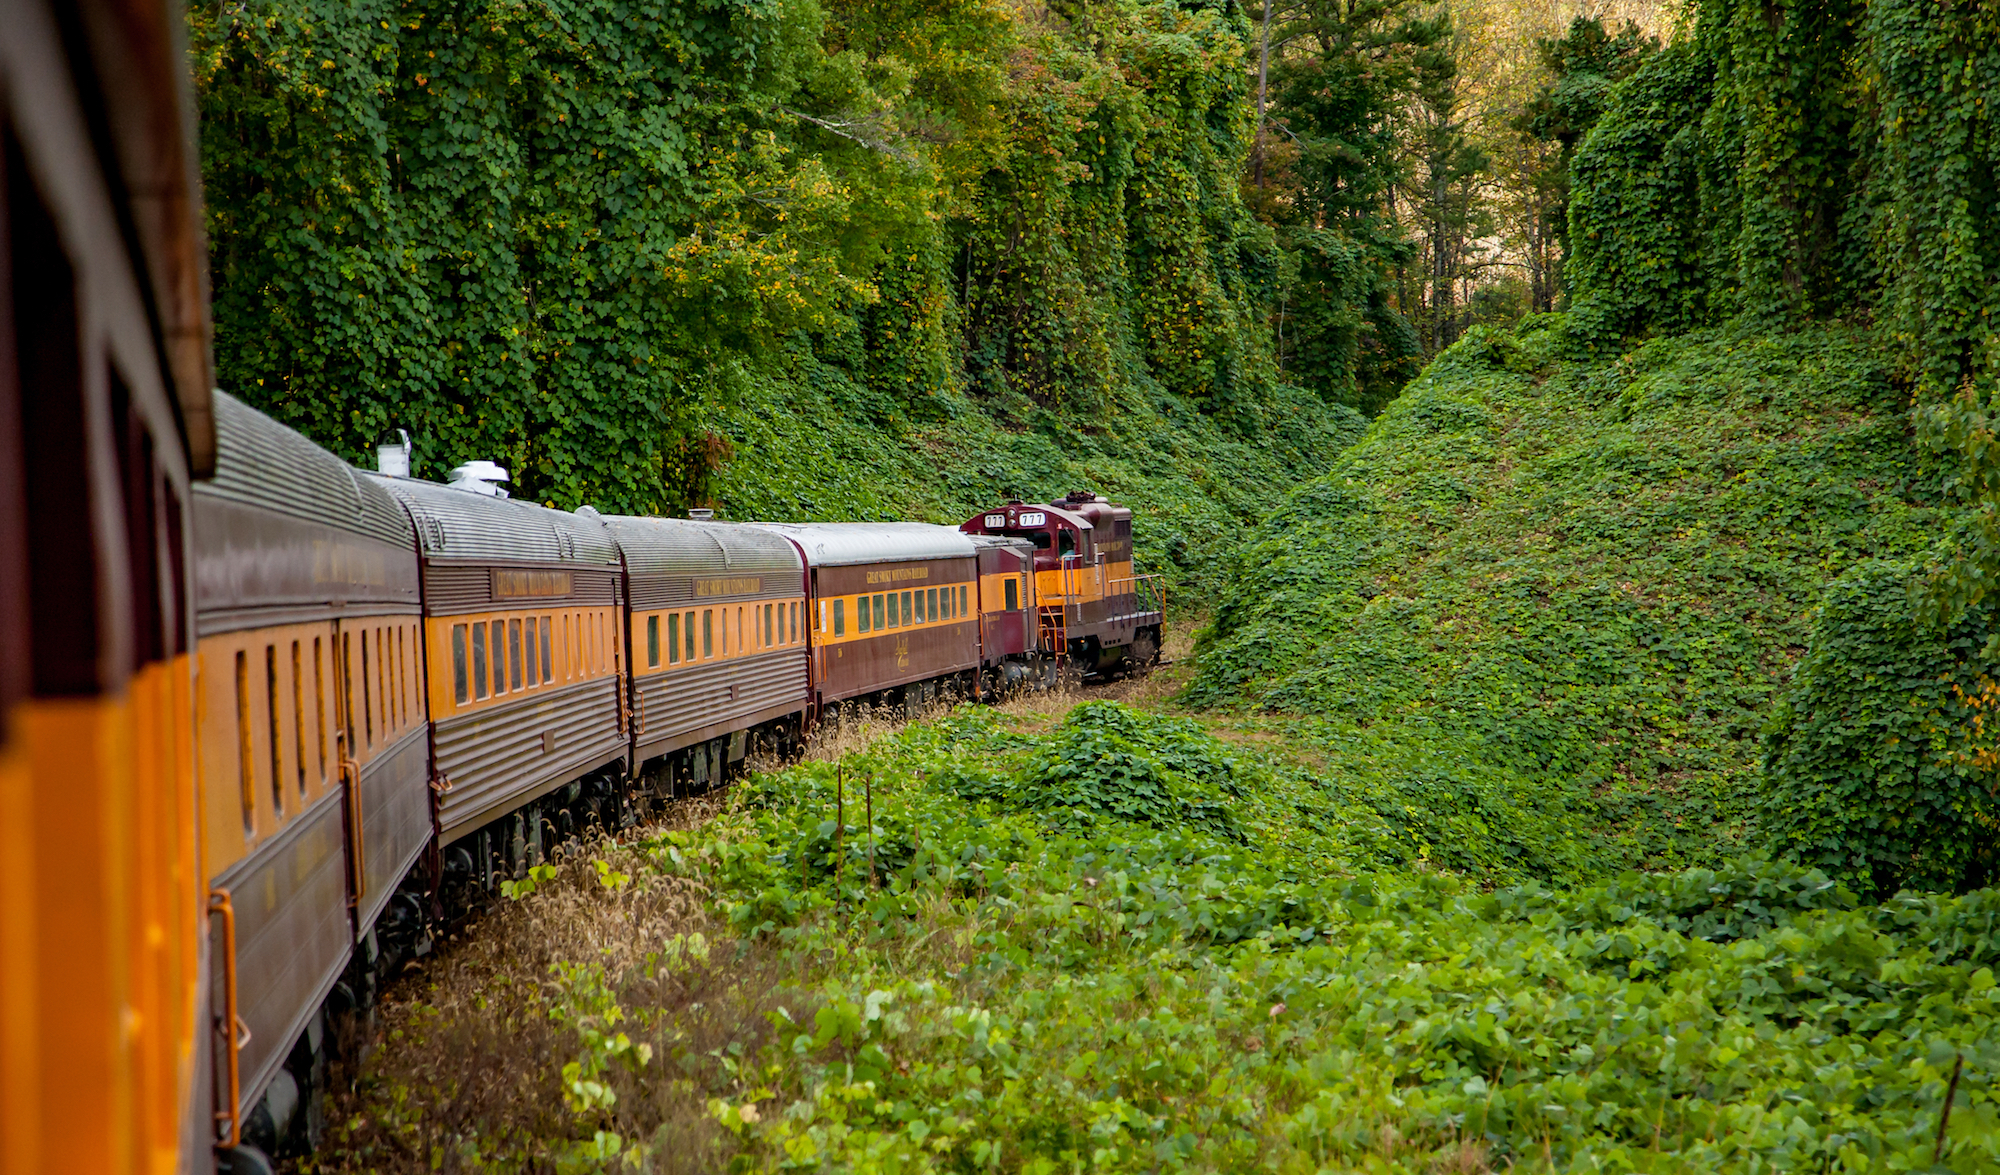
1038 537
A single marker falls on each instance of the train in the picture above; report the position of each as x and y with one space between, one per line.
270 721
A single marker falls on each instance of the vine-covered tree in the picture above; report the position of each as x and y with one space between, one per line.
1340 73
556 233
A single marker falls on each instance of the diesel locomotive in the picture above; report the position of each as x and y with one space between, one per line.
268 720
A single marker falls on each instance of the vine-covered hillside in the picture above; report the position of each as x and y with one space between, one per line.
1578 588
810 448
793 259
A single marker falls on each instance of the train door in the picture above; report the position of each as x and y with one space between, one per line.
349 761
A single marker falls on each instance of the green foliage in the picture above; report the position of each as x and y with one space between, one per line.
1336 94
1567 594
645 255
1583 65
1807 160
1131 996
813 442
1108 761
1873 756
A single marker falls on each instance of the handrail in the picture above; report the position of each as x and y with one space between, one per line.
1148 588
350 771
239 1032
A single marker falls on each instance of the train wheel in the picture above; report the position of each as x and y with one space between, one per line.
1144 653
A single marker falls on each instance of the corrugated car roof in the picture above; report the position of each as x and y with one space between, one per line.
845 544
261 463
677 546
460 524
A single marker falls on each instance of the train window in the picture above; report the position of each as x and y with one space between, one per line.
499 657
768 610
652 641
514 654
673 639
458 681
319 703
878 613
271 716
367 702
930 604
690 636
795 622
403 674
961 601
1013 594
708 632
547 624
385 678
861 613
529 636
740 646
839 617
897 616
299 713
382 680
478 660
344 696
907 616
245 763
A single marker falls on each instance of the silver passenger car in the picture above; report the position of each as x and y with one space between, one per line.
525 658
718 637
315 750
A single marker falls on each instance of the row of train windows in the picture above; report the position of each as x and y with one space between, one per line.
768 628
386 663
896 609
520 653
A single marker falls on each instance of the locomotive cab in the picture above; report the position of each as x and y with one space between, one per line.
1094 610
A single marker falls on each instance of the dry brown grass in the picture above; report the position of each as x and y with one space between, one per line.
467 1063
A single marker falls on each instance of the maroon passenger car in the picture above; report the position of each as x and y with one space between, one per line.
894 610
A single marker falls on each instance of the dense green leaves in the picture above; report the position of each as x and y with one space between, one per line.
1801 160
1873 758
639 253
975 986
1577 587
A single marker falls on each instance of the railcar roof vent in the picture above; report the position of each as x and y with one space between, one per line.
701 514
479 477
392 457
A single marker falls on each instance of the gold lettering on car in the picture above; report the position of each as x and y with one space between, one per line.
517 584
739 585
898 574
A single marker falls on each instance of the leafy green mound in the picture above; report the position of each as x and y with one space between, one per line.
1575 590
1881 766
1107 761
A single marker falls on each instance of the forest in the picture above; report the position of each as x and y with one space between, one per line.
1568 431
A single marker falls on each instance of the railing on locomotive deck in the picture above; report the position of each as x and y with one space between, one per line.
1148 592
